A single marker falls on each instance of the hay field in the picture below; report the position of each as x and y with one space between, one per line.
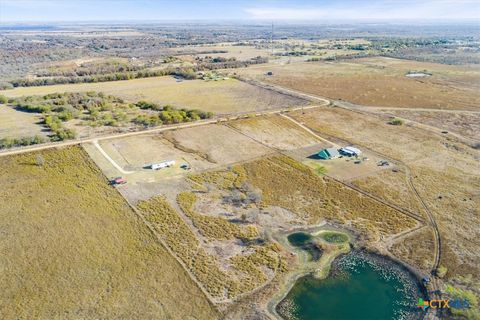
444 172
223 96
379 82
17 124
275 131
217 144
73 249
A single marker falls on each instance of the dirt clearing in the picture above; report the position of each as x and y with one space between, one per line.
18 124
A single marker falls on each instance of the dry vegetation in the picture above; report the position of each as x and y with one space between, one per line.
416 249
205 141
291 185
221 279
288 184
14 124
379 82
72 248
392 187
223 96
275 131
466 124
444 172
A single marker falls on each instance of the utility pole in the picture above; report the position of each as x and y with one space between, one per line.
271 39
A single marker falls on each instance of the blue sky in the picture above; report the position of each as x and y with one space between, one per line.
317 10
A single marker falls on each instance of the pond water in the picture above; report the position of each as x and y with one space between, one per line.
417 75
305 241
360 286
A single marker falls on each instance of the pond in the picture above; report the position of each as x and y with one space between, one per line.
360 286
306 242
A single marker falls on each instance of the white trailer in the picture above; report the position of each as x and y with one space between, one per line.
161 165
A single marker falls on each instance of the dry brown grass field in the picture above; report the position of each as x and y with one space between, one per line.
224 96
465 124
217 143
17 124
392 187
72 248
416 249
275 131
444 172
379 82
238 52
291 185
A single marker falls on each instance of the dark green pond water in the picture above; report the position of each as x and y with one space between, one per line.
360 286
305 241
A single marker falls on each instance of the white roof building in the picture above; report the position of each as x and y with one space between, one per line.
351 151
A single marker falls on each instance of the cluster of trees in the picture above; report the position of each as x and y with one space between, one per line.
168 115
62 107
6 143
213 63
56 126
91 68
98 109
186 73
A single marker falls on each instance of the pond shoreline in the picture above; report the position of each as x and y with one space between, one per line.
306 267
322 270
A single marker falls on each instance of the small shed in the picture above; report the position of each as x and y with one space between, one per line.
350 151
330 153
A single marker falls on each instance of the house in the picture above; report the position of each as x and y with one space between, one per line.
350 151
161 165
330 153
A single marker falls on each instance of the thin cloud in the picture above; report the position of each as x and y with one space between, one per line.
433 9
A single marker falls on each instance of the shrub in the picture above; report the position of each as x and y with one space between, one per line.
6 143
396 122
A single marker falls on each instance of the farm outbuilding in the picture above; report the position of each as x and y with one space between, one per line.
161 165
350 151
330 153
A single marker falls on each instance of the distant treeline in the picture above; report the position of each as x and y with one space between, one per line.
185 73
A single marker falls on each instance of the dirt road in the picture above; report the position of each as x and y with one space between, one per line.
223 118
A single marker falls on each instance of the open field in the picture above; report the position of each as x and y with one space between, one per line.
392 187
465 124
444 172
275 131
217 144
379 82
232 51
16 124
72 248
223 96
291 185
416 249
